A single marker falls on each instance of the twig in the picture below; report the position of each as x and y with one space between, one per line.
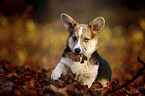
140 61
130 81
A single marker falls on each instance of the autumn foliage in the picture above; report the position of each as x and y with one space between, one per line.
22 81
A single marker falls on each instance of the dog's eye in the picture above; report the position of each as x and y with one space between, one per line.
86 39
74 38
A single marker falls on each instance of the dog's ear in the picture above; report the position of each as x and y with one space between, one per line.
68 22
97 25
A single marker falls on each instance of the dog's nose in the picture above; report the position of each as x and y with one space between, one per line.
77 50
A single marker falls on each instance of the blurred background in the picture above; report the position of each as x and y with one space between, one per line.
31 32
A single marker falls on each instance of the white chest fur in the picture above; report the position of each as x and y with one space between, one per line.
80 68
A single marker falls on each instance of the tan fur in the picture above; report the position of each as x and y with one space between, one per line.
91 45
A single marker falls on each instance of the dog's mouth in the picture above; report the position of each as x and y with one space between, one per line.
77 57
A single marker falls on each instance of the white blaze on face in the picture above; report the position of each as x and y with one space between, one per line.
78 45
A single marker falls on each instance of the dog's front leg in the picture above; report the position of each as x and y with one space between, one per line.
56 73
87 79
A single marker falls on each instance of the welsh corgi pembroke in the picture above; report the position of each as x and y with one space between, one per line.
80 55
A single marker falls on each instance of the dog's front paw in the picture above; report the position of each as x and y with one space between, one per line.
55 75
89 83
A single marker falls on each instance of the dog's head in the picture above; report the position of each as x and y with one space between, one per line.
83 37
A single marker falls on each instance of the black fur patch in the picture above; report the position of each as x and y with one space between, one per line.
95 58
66 51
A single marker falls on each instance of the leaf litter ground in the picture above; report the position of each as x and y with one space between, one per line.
25 81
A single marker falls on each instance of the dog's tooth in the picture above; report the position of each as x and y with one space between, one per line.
81 58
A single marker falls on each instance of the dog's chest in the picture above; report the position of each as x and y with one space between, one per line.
80 68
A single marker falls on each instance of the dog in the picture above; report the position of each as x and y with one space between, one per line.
82 44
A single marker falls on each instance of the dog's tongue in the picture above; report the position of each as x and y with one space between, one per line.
77 57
